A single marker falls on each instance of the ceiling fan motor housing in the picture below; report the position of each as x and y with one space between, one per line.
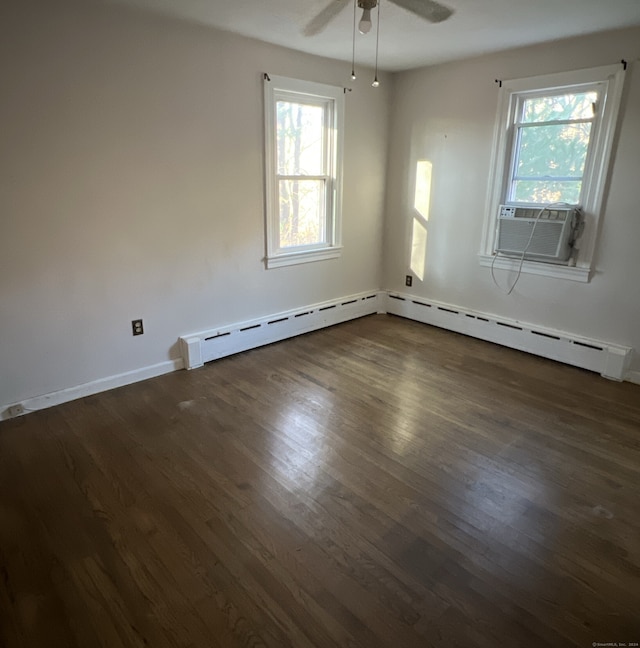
430 10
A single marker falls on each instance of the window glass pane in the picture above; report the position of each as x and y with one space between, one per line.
299 138
565 106
552 151
302 212
544 192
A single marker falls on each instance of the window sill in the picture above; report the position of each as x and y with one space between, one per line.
571 273
308 256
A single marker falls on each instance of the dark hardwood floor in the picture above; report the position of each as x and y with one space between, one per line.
378 484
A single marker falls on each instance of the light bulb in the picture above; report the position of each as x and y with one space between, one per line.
375 83
364 26
353 76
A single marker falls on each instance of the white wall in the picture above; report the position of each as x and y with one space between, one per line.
445 114
131 185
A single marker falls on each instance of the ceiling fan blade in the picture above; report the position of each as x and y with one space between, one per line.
428 9
317 24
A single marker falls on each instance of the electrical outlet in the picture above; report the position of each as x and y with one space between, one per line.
15 410
408 280
136 326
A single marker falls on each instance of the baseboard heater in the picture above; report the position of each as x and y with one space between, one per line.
609 360
205 346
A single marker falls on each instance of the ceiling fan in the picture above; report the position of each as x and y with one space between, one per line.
428 9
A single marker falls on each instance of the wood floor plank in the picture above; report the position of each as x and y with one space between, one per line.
380 483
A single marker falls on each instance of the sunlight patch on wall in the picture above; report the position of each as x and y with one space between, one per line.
421 202
418 248
422 196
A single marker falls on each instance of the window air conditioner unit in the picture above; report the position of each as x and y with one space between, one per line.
553 232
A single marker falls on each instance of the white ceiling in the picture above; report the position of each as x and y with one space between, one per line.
476 27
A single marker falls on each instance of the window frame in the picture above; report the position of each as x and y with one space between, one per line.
609 81
277 88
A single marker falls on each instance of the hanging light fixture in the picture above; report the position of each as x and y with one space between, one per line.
364 27
353 50
376 83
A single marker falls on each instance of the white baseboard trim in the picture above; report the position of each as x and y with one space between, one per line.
209 345
633 377
93 387
198 348
609 360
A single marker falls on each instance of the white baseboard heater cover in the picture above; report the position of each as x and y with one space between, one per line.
609 360
205 346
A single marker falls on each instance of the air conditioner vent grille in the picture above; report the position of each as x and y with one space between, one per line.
544 238
515 236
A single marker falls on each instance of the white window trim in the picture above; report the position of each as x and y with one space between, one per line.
274 87
595 177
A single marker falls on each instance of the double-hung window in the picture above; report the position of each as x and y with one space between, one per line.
552 144
304 131
551 141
